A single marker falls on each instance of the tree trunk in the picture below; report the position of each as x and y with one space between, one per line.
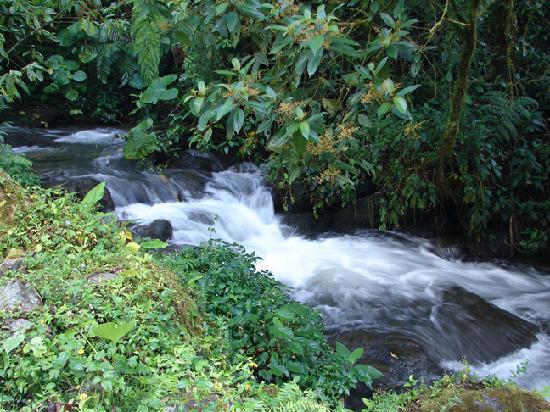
469 36
509 33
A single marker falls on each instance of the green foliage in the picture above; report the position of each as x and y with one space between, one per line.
93 197
504 170
284 339
334 97
134 341
18 167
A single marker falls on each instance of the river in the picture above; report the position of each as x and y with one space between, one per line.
390 283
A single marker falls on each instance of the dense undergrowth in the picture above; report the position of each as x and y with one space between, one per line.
440 108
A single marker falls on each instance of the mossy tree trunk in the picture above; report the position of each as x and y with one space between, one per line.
460 87
509 34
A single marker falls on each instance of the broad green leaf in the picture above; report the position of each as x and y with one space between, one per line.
407 90
113 331
153 244
301 63
79 76
202 86
400 104
232 21
314 61
280 331
94 195
221 8
368 373
363 120
388 20
71 95
315 43
342 351
169 94
197 104
305 128
392 51
225 108
300 143
356 355
13 342
383 109
238 120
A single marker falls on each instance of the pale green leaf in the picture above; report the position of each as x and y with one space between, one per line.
13 342
400 104
113 331
94 195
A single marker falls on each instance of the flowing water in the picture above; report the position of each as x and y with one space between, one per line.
390 283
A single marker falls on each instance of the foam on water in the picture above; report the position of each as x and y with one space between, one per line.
96 136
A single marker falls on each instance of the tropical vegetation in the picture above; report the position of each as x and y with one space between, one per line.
441 106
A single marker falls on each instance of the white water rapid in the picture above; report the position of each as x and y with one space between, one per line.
363 280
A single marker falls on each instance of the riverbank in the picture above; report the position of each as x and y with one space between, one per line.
91 320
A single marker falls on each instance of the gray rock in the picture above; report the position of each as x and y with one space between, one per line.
19 296
396 355
487 332
18 325
98 278
80 185
10 264
157 229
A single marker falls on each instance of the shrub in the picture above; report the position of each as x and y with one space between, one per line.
284 338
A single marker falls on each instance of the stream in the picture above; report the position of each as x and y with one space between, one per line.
370 287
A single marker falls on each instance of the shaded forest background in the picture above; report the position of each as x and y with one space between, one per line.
431 109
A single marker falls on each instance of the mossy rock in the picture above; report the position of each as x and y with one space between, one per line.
481 399
11 200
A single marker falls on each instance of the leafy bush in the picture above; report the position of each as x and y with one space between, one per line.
285 339
18 167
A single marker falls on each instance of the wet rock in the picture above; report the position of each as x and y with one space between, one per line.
196 160
396 356
18 325
11 264
486 331
295 200
19 296
98 278
80 185
172 248
362 214
157 229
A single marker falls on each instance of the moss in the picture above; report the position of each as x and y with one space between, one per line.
11 199
470 398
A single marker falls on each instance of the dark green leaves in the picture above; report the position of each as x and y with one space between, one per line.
157 90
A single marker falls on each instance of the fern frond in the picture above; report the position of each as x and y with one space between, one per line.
147 33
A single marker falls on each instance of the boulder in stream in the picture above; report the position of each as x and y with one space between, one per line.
79 185
395 355
487 332
158 229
